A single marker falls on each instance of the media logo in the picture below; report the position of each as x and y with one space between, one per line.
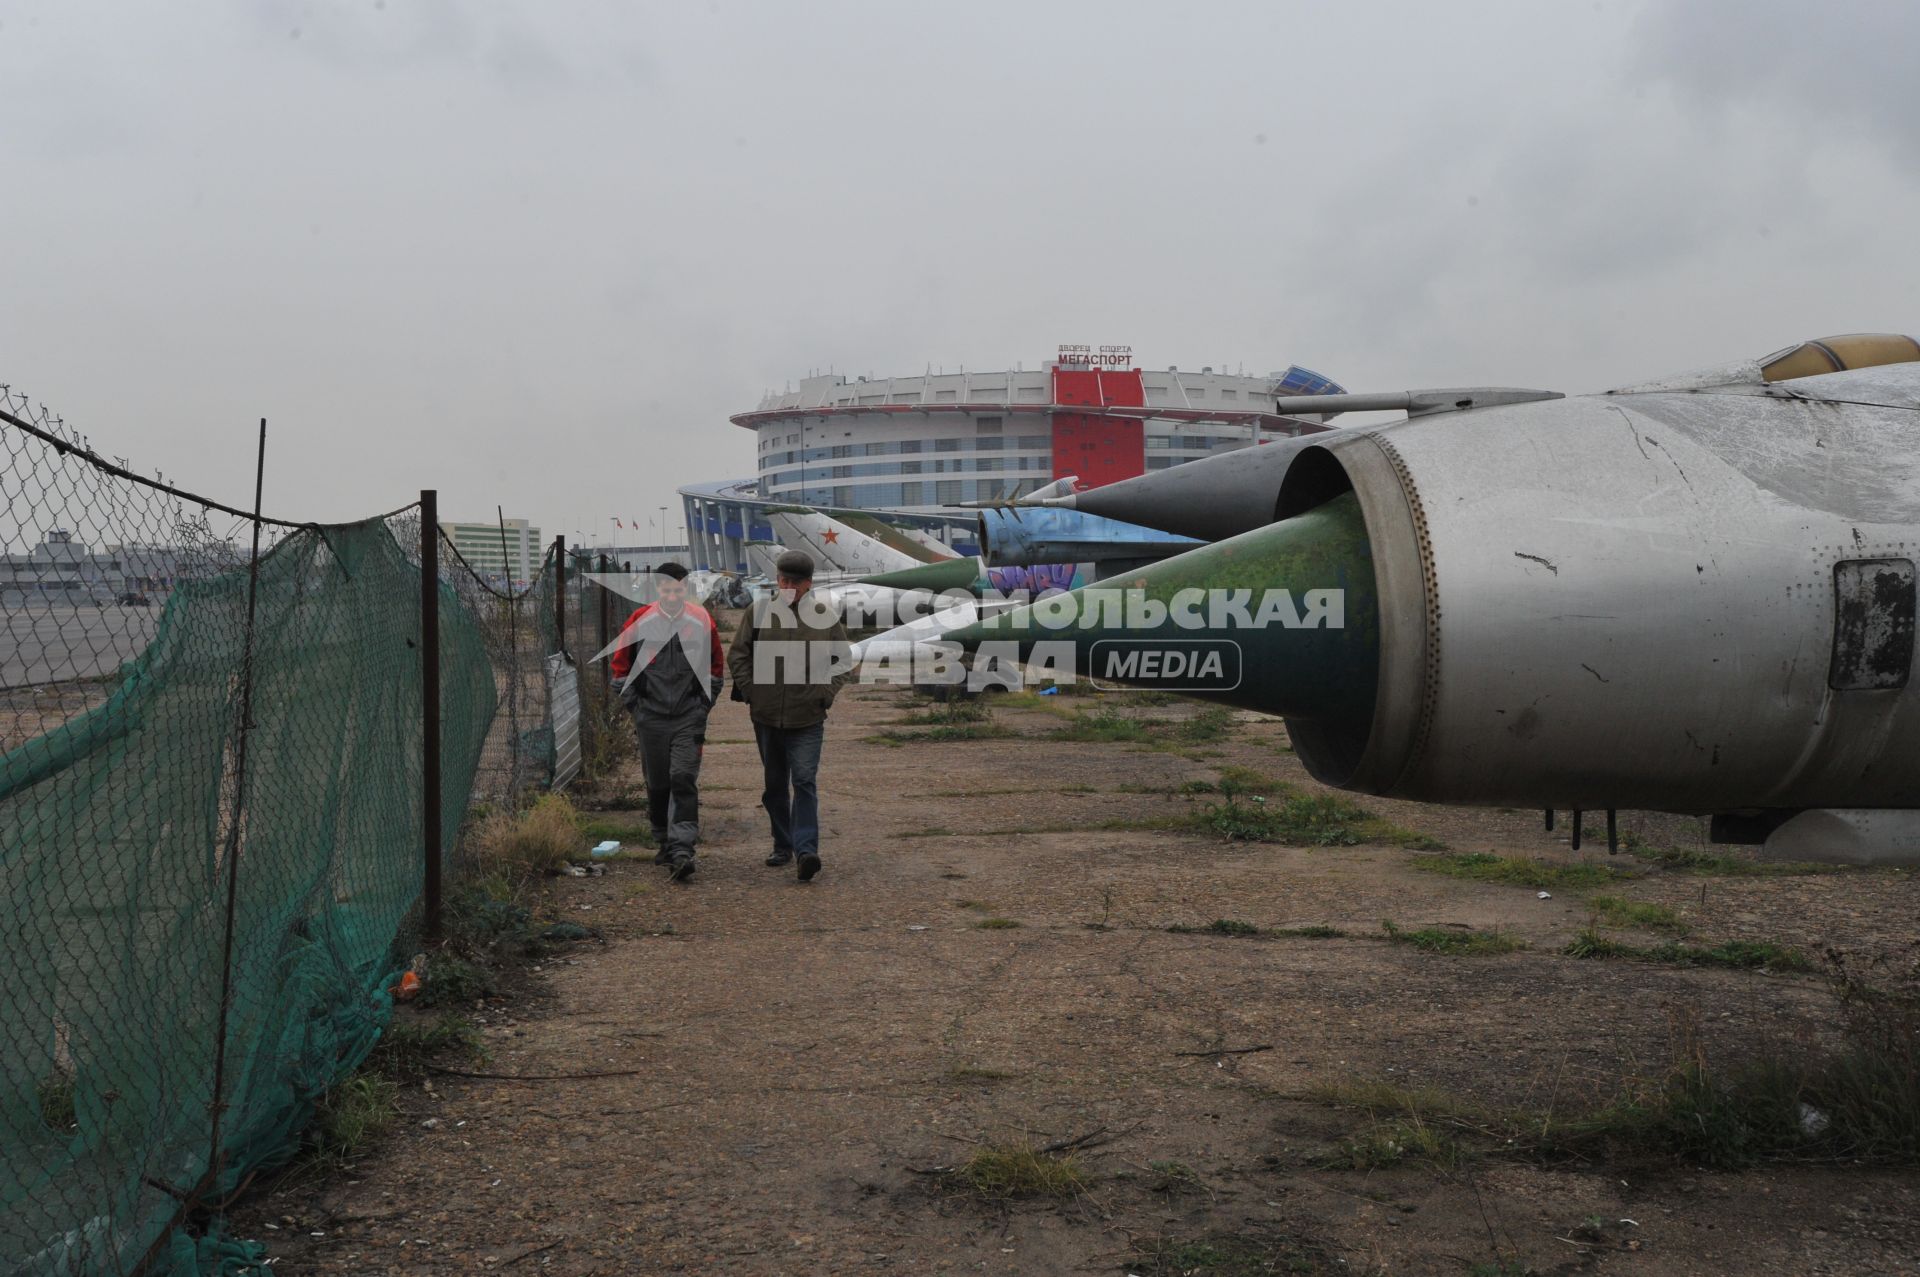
1168 665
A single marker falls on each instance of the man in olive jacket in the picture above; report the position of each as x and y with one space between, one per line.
790 658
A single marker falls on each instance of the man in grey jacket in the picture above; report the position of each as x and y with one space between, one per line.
669 665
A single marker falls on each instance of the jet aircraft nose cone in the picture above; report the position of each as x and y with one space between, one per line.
1283 619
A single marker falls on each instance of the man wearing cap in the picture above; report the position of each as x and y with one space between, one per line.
790 658
669 667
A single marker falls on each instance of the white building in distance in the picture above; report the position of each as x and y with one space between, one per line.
510 548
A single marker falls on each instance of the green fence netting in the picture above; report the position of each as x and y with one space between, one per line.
161 757
516 626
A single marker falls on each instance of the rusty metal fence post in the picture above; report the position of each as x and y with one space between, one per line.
430 707
606 628
236 822
560 592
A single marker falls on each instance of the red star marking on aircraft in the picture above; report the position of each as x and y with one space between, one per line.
830 536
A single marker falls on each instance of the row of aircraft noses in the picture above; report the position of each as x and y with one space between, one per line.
1693 595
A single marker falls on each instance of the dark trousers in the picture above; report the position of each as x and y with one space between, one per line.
670 749
791 759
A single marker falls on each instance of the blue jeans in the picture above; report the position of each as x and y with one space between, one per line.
790 760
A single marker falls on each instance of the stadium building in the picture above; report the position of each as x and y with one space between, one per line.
907 448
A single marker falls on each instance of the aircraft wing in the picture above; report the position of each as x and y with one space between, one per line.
760 557
932 544
835 546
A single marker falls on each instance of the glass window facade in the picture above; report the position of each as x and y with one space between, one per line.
974 456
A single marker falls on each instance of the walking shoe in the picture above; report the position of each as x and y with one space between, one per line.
780 858
661 857
809 866
682 869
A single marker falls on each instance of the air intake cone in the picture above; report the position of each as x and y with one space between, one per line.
1283 619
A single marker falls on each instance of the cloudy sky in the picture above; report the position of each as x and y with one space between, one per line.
535 252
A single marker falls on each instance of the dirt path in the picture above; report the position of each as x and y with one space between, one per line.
803 1055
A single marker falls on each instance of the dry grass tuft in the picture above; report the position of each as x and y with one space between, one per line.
1021 1170
524 845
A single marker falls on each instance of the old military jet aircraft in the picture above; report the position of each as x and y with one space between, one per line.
1695 594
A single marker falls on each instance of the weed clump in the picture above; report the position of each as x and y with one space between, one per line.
1297 820
410 1046
1404 1123
1857 1102
1245 780
1320 820
1622 912
1107 725
949 712
1228 1255
451 980
1170 1177
1748 955
1450 941
1020 1170
634 832
480 915
607 733
1723 864
1590 943
943 732
1521 871
1218 927
352 1115
1214 722
1389 1143
522 846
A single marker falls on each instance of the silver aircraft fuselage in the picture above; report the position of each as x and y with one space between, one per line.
1635 600
1696 595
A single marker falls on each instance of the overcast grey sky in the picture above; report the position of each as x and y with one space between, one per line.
535 253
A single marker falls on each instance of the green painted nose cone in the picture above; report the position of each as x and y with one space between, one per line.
948 574
1283 619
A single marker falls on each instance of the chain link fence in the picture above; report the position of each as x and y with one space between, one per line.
515 625
212 822
594 616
